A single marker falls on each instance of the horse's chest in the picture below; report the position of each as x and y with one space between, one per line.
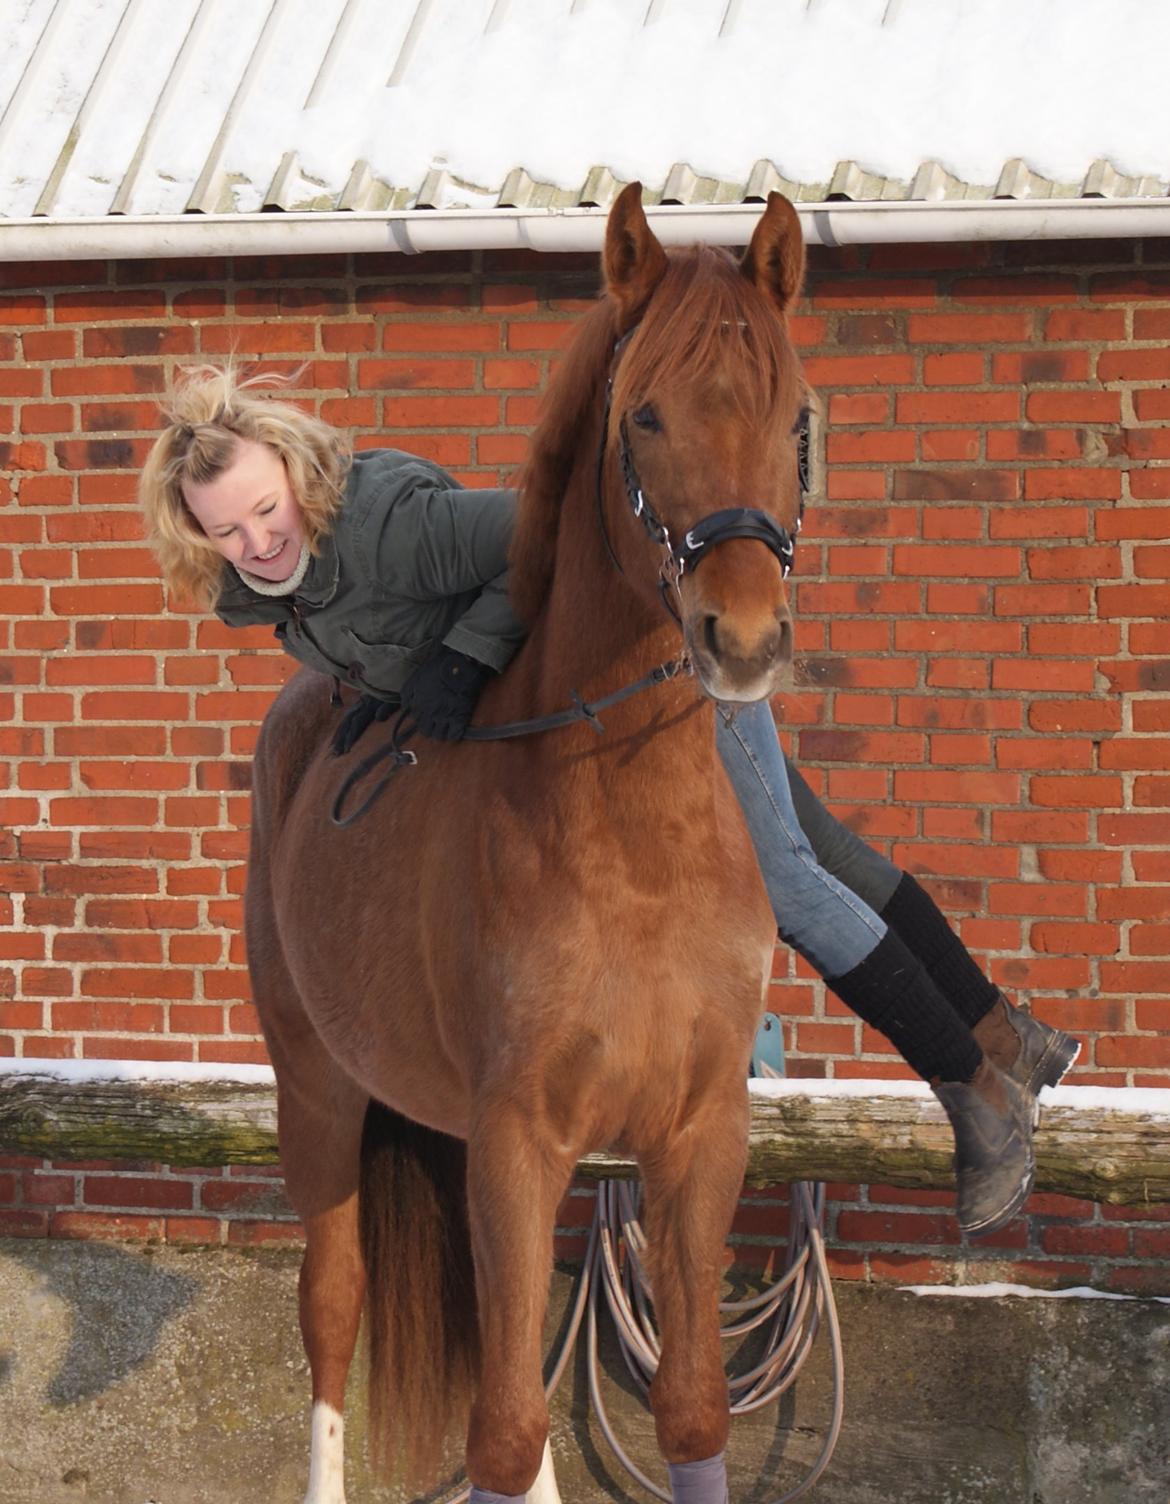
612 852
637 895
616 937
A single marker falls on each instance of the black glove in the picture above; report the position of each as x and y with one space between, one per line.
441 694
361 714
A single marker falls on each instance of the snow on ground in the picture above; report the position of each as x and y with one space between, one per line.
996 1291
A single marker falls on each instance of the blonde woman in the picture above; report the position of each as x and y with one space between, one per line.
375 568
379 570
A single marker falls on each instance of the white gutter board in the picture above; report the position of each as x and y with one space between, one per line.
416 231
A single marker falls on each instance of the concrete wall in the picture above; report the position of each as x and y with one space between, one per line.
157 1376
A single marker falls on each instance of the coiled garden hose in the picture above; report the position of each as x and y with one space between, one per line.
793 1308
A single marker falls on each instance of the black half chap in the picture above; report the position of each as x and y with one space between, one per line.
899 899
862 869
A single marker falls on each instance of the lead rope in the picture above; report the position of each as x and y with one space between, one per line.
793 1308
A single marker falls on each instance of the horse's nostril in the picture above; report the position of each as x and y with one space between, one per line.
710 638
784 648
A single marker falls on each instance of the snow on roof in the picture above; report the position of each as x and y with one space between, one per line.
139 107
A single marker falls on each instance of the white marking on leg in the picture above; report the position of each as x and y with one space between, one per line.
327 1460
544 1490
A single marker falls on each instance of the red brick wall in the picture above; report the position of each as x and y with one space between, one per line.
983 579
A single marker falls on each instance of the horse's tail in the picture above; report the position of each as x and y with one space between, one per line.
421 1317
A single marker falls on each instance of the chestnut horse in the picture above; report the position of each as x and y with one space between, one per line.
536 948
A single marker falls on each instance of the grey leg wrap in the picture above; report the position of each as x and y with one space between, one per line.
699 1482
485 1496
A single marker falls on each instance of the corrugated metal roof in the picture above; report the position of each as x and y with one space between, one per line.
130 107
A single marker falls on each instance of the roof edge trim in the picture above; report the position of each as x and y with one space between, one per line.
413 231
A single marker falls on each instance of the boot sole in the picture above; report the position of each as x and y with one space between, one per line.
1054 1063
1005 1214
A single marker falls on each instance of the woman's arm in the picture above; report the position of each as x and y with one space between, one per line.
437 542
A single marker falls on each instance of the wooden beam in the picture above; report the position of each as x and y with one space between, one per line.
194 1122
1091 1143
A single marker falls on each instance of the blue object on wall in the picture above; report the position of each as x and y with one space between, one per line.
768 1050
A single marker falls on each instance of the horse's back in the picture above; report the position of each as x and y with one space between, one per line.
291 733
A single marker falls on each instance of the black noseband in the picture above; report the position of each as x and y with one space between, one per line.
735 522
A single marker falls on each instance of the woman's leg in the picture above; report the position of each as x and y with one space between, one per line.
1032 1052
863 960
898 898
818 916
870 875
884 983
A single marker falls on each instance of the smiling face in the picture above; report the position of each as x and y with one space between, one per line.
250 514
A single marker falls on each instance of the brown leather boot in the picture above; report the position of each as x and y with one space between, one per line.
1030 1052
991 1116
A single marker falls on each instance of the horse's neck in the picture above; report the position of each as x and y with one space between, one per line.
598 633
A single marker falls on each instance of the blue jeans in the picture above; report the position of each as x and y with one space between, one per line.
818 916
870 875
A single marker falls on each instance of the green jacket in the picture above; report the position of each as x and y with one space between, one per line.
413 560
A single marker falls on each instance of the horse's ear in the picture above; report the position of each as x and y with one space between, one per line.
634 261
774 260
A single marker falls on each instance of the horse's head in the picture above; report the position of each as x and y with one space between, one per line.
702 438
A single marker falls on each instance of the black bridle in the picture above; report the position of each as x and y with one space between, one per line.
714 528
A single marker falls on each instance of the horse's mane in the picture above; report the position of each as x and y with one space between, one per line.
573 396
702 300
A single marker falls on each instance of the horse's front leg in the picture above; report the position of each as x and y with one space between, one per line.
691 1190
515 1180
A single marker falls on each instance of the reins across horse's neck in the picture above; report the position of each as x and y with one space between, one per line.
400 756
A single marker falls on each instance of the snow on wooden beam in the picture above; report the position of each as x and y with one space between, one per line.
1104 1144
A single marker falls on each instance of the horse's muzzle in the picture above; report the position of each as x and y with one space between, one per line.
738 667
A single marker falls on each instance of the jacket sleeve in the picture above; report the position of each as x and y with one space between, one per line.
442 541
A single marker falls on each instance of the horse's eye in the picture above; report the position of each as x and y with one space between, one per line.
647 418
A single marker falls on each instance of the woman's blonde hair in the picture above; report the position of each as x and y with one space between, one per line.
209 410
